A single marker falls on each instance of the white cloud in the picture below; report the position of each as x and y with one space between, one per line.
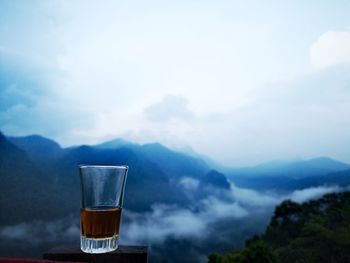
170 107
161 223
216 209
172 221
331 48
165 221
106 69
313 193
251 198
189 183
41 232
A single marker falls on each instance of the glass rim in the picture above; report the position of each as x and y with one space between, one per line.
97 166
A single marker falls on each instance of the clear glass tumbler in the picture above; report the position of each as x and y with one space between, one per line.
102 193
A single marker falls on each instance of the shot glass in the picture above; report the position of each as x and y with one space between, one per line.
102 194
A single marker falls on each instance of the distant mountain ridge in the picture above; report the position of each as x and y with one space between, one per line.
40 183
295 169
25 188
175 163
289 175
155 175
172 162
115 143
40 164
41 150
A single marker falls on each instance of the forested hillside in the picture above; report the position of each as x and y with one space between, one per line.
315 231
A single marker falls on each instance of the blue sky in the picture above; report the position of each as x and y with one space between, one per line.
241 81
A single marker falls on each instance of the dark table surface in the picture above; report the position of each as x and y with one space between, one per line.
124 254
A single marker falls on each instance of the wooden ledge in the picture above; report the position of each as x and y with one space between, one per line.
124 254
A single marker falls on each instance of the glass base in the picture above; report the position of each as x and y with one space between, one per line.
100 245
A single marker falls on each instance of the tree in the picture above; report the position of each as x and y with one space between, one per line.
315 231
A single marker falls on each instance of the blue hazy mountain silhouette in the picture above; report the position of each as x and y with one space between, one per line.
40 182
291 175
25 188
39 169
36 144
295 169
42 151
215 179
115 143
46 173
172 163
144 177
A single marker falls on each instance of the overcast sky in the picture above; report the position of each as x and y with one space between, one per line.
240 81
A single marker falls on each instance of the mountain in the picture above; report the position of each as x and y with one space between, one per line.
25 190
115 143
40 184
10 155
294 169
188 151
41 150
146 182
341 178
38 167
37 146
314 167
153 174
172 163
215 179
290 175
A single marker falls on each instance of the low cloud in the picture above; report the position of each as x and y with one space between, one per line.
41 232
254 199
160 223
166 221
198 221
189 183
313 193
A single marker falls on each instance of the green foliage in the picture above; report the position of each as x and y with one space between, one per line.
315 231
257 251
228 258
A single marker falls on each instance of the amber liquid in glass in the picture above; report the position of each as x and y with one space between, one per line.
100 222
